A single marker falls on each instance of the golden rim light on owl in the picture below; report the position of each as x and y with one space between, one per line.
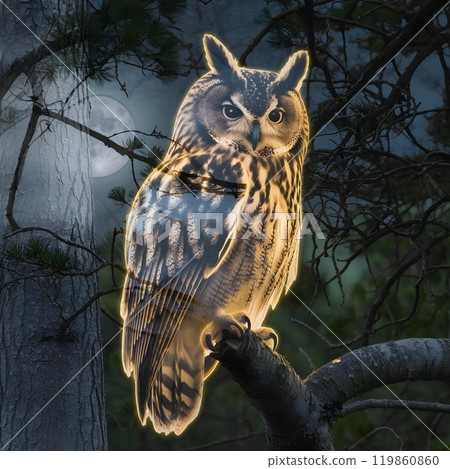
235 129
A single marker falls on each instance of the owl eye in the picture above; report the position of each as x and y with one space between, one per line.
231 112
276 116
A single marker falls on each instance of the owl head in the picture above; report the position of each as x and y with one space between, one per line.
256 111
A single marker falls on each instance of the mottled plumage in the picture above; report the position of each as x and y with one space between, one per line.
240 138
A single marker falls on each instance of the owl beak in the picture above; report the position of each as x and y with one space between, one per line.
255 135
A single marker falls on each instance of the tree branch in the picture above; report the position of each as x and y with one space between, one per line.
222 442
395 404
23 64
366 75
299 414
93 133
31 129
112 318
259 37
292 417
370 367
68 321
59 238
402 83
373 313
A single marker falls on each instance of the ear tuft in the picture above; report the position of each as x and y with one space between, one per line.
293 73
219 58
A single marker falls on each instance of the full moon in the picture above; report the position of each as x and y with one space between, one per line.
108 118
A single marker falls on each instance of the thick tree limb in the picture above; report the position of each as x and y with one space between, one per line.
293 418
299 414
370 367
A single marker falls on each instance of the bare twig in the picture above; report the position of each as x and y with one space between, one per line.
67 321
382 295
224 441
376 430
111 317
267 28
394 404
429 10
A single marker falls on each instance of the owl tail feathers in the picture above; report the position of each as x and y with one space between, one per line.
176 392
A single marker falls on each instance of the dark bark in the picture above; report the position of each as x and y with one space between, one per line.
370 367
293 418
299 414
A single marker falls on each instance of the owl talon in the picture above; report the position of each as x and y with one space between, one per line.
240 330
272 337
268 336
246 320
209 343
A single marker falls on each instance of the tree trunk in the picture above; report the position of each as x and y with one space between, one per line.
51 384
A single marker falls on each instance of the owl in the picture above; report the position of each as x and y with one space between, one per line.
212 237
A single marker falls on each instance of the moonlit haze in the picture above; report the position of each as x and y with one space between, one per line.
108 117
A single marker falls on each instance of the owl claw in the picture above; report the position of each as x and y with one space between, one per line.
224 326
274 337
268 336
209 343
246 320
239 328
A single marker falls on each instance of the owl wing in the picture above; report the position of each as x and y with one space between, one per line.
169 253
295 262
